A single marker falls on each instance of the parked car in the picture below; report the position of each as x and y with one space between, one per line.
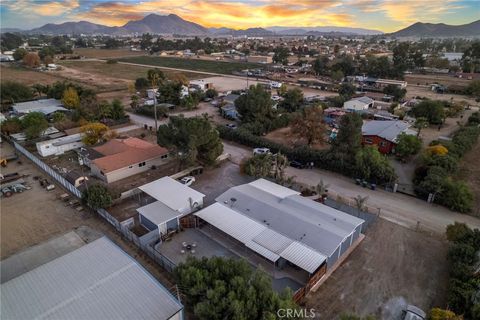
297 164
187 180
231 125
275 85
261 151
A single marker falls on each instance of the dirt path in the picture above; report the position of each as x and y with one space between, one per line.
391 262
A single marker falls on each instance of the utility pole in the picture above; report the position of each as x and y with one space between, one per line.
154 84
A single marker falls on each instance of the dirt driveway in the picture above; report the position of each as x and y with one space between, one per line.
391 263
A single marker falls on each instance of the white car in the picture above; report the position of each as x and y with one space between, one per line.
275 85
187 180
261 151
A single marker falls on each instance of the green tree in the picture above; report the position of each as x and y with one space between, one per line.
211 93
372 165
347 90
309 124
395 91
458 232
33 124
11 125
473 88
19 54
349 137
170 92
259 166
255 105
420 123
155 76
10 41
70 98
142 83
471 58
320 65
12 92
220 288
146 41
407 145
457 196
117 110
292 100
58 117
97 197
195 138
432 110
337 75
281 55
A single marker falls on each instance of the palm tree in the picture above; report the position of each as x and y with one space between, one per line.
360 202
420 123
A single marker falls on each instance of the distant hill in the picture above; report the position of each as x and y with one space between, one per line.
250 32
433 30
153 23
71 27
171 24
322 30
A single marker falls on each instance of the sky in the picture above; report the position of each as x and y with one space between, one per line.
383 15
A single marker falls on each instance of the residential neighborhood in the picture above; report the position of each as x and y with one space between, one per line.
233 163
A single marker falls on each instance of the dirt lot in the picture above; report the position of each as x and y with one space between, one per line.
392 262
469 170
36 215
428 79
286 137
422 91
25 76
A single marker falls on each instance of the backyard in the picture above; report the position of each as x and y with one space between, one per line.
392 266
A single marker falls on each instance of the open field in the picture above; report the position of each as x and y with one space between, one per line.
423 91
36 215
392 262
469 170
193 64
26 76
106 53
428 79
119 71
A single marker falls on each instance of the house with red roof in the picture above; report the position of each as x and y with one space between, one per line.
121 158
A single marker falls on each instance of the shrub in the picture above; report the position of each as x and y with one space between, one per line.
457 196
437 150
111 61
97 196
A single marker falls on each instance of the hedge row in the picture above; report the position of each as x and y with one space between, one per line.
323 159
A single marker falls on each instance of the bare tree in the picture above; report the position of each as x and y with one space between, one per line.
360 202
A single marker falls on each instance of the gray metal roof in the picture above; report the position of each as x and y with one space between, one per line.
158 213
364 99
37 105
172 193
320 227
259 238
388 130
96 281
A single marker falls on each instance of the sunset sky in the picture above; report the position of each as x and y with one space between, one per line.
384 15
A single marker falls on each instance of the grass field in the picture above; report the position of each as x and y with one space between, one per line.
106 53
193 64
119 71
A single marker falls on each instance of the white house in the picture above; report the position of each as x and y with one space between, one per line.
358 104
174 200
200 84
59 145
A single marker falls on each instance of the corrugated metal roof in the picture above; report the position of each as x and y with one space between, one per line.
317 226
273 241
171 192
96 281
303 256
158 213
273 188
262 251
231 222
388 130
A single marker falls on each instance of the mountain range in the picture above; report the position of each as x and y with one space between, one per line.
173 24
420 29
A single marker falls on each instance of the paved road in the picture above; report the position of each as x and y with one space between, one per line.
398 208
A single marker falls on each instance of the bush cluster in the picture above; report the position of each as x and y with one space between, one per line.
435 174
463 258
